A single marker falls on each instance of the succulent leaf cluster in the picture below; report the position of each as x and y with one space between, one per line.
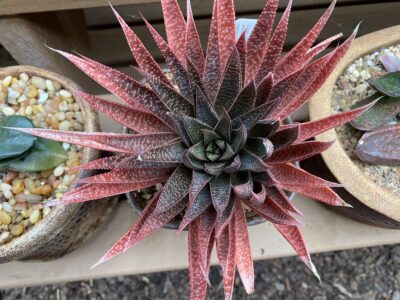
379 144
214 135
23 152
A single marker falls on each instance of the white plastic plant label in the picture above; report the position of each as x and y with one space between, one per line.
245 25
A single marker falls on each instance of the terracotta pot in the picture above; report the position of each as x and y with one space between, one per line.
367 192
66 227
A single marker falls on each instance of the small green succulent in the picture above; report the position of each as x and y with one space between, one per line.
379 145
23 152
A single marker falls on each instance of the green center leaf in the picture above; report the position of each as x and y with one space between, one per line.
14 143
44 155
215 149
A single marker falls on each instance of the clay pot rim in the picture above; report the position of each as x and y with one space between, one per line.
340 164
59 216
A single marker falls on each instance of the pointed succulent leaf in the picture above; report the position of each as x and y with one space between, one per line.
204 110
320 47
174 190
210 136
251 162
380 146
194 128
284 137
261 147
175 26
313 128
264 129
196 207
224 219
141 122
174 65
245 101
215 168
259 38
390 62
212 72
242 184
195 76
223 127
281 199
252 117
298 152
198 151
43 155
293 235
172 152
220 187
228 154
289 174
14 143
105 163
238 138
194 50
264 89
263 178
199 181
233 166
180 128
226 30
275 46
206 238
192 162
241 47
323 194
388 84
127 143
230 85
378 115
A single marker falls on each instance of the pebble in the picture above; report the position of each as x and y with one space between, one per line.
5 217
48 105
35 216
59 171
8 111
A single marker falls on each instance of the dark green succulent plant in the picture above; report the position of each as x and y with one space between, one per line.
23 152
379 145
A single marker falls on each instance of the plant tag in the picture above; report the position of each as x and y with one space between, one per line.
244 25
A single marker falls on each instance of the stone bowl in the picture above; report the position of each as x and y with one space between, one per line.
357 184
65 227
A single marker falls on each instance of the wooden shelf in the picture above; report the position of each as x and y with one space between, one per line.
324 230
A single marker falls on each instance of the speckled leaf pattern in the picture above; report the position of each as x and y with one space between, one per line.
106 163
127 143
289 174
298 152
320 47
275 46
292 61
206 238
310 129
198 284
128 176
388 84
278 196
141 122
166 153
194 50
259 38
177 69
321 193
212 70
264 89
175 189
244 102
220 187
380 146
378 114
243 257
226 30
285 136
204 110
242 185
241 47
293 235
226 253
142 56
175 27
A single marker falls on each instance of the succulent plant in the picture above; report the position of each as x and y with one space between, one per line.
25 153
379 144
214 135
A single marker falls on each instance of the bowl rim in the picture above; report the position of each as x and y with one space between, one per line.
48 228
340 164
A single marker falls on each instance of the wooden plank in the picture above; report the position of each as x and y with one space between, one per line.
343 20
103 16
12 7
25 37
324 231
